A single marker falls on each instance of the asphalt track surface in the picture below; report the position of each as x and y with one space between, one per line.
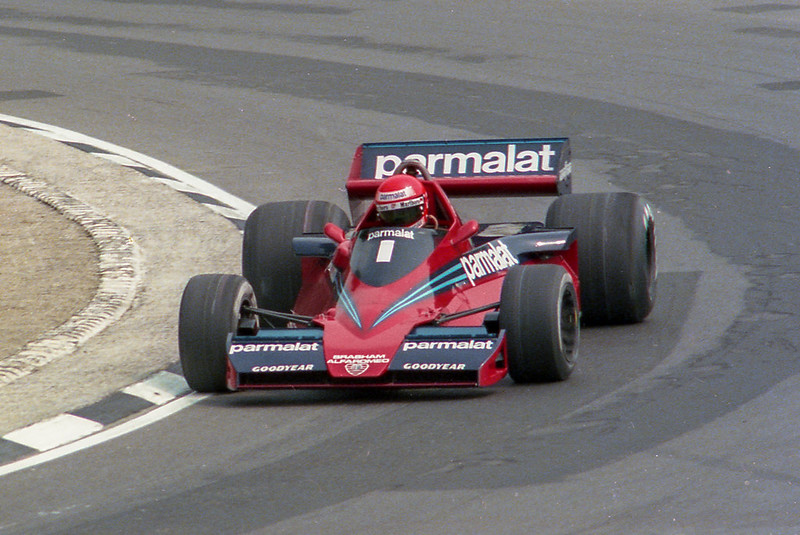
684 424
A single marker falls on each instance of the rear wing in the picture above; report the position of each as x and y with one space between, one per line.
480 168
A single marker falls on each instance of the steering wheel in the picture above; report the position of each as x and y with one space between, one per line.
415 166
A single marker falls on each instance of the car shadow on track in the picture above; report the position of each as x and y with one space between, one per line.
274 398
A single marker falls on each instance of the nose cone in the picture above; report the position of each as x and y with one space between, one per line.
352 352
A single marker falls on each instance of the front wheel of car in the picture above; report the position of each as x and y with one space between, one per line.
539 311
211 309
268 260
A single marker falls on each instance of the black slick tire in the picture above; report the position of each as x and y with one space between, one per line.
268 260
539 312
210 310
616 254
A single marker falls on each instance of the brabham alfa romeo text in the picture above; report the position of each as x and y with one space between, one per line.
371 359
458 163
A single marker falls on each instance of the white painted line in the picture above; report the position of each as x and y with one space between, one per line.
67 433
242 207
159 389
226 212
45 133
176 185
170 382
148 393
117 159
104 436
54 432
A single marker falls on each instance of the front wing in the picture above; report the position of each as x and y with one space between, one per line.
427 357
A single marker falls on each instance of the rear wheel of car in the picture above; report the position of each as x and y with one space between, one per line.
210 310
268 260
617 254
539 312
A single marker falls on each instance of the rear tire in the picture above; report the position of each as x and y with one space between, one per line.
211 309
268 260
539 312
616 254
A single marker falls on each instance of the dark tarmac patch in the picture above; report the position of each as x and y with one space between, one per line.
26 94
791 85
767 31
758 8
278 7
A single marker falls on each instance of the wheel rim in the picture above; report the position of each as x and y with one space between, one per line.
652 269
568 325
247 323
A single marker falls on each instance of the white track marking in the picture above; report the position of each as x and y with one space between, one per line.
241 207
66 433
162 388
98 438
54 432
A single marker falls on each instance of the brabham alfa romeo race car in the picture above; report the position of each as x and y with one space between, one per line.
453 303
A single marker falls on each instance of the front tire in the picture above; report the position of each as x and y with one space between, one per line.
210 310
268 260
539 312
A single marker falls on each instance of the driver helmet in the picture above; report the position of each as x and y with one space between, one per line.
401 201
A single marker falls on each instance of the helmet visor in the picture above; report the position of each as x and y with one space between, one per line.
402 213
402 217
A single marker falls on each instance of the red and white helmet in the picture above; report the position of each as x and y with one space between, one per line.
401 201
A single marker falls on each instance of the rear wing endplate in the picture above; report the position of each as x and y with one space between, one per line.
493 167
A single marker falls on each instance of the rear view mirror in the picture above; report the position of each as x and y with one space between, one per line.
334 232
466 231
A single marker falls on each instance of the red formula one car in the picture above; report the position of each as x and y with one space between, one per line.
451 303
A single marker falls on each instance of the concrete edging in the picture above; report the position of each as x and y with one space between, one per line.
120 267
159 226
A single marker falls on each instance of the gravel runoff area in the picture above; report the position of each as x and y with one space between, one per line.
93 259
